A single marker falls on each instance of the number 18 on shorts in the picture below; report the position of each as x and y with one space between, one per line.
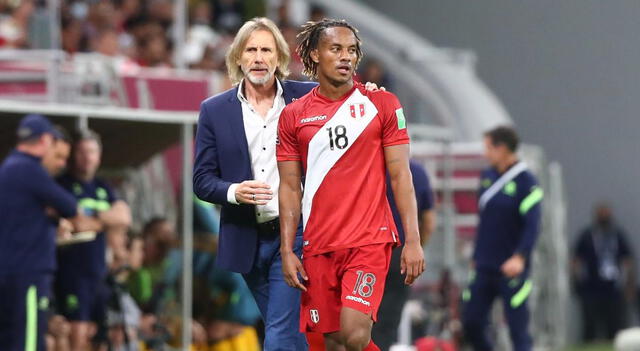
352 278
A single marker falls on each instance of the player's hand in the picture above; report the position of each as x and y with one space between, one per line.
412 262
513 267
291 266
253 192
373 87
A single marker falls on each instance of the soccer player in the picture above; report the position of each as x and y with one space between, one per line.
344 138
509 224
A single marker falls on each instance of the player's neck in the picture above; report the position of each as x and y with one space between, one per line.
333 90
257 93
506 163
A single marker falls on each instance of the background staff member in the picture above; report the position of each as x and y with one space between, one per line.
385 331
509 224
27 235
80 280
602 268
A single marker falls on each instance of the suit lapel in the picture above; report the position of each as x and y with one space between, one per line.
237 126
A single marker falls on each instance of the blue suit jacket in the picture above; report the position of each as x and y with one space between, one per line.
222 158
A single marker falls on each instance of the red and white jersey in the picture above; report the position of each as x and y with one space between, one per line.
340 144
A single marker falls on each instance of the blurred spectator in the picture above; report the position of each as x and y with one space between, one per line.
288 12
602 268
228 15
108 43
374 71
14 26
295 66
146 284
80 280
201 36
317 13
73 38
154 51
161 11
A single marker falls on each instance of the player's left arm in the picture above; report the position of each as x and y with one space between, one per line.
530 210
397 162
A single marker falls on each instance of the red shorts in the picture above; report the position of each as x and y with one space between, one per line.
351 278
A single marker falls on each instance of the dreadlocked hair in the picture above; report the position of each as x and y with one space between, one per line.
309 37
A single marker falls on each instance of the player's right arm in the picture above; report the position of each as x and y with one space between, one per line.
290 196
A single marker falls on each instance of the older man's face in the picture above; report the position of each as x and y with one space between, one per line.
56 157
259 58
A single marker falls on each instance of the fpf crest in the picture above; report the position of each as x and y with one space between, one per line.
357 110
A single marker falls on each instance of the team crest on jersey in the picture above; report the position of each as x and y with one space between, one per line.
315 316
357 110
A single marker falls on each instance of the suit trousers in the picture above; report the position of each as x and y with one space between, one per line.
279 303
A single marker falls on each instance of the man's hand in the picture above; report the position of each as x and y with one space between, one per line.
65 228
291 266
513 267
82 223
373 87
412 262
253 192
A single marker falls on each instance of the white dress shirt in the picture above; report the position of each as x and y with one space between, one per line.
261 138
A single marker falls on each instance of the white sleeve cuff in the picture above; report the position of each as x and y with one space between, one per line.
231 194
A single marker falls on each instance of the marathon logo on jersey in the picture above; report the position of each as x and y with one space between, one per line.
313 119
315 316
357 110
358 299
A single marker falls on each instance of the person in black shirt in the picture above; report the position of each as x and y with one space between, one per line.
602 270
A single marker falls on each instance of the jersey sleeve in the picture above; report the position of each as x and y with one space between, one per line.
52 194
394 124
530 196
287 143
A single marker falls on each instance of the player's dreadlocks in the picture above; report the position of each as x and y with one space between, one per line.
309 38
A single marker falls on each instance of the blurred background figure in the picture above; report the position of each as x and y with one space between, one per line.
374 71
82 268
385 331
56 158
603 273
510 216
14 23
30 205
